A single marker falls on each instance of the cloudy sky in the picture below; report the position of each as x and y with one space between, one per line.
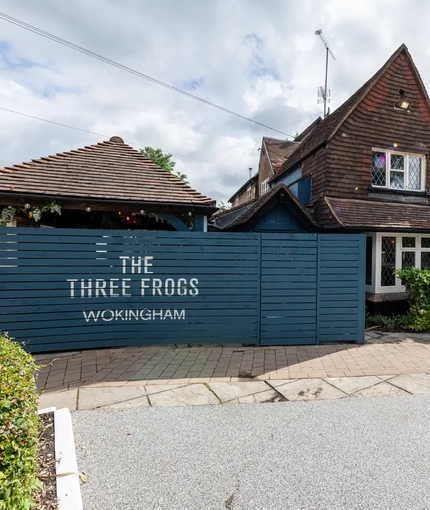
258 58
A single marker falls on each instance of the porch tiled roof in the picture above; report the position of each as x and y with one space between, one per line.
366 214
110 170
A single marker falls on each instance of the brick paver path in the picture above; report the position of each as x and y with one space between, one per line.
390 355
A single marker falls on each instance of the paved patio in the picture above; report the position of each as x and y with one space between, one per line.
382 354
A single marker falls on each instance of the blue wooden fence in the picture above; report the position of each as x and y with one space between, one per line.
64 289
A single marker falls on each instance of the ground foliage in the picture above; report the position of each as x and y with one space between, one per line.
19 427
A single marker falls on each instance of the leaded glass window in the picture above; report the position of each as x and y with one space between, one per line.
408 242
408 259
414 179
388 261
397 171
425 242
379 171
425 260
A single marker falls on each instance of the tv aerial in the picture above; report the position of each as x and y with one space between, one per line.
323 91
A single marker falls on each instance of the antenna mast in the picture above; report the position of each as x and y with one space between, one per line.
324 92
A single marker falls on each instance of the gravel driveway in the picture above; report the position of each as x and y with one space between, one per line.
347 454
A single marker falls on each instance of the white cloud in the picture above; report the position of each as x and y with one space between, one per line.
260 59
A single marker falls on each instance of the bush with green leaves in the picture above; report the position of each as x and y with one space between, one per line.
389 322
18 426
417 283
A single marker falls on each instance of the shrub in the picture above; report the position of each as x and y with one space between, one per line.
384 321
18 426
417 283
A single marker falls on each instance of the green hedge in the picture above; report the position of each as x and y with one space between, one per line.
417 283
18 426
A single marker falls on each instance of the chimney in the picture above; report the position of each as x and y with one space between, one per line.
250 172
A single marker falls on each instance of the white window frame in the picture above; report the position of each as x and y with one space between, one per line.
249 194
376 286
265 187
406 155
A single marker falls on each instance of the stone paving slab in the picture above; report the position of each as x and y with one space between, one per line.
382 389
133 403
152 389
59 399
309 389
352 384
123 397
226 391
412 383
91 398
193 394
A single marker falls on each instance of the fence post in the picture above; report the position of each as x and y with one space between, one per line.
259 247
318 262
361 313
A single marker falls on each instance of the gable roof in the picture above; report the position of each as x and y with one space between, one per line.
328 127
308 130
366 214
110 170
246 216
278 151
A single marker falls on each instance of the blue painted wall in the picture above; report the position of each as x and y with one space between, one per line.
73 289
291 177
279 219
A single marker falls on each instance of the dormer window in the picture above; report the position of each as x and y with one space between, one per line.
397 170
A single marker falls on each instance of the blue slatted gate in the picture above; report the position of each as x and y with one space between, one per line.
312 289
72 289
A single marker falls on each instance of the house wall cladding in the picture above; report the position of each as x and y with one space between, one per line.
376 124
63 289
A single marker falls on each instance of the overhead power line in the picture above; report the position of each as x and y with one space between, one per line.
92 54
107 137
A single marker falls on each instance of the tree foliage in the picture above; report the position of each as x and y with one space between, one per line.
164 160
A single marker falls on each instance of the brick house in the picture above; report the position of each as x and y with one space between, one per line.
364 168
105 185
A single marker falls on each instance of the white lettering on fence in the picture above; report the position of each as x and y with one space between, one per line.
144 314
82 288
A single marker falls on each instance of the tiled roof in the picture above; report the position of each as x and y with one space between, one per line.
308 130
109 170
241 215
278 151
223 220
364 214
328 127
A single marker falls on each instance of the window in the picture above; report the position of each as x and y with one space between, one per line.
265 186
248 194
397 251
394 170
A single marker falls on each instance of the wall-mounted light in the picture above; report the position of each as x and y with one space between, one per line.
190 214
142 211
403 103
88 209
27 206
